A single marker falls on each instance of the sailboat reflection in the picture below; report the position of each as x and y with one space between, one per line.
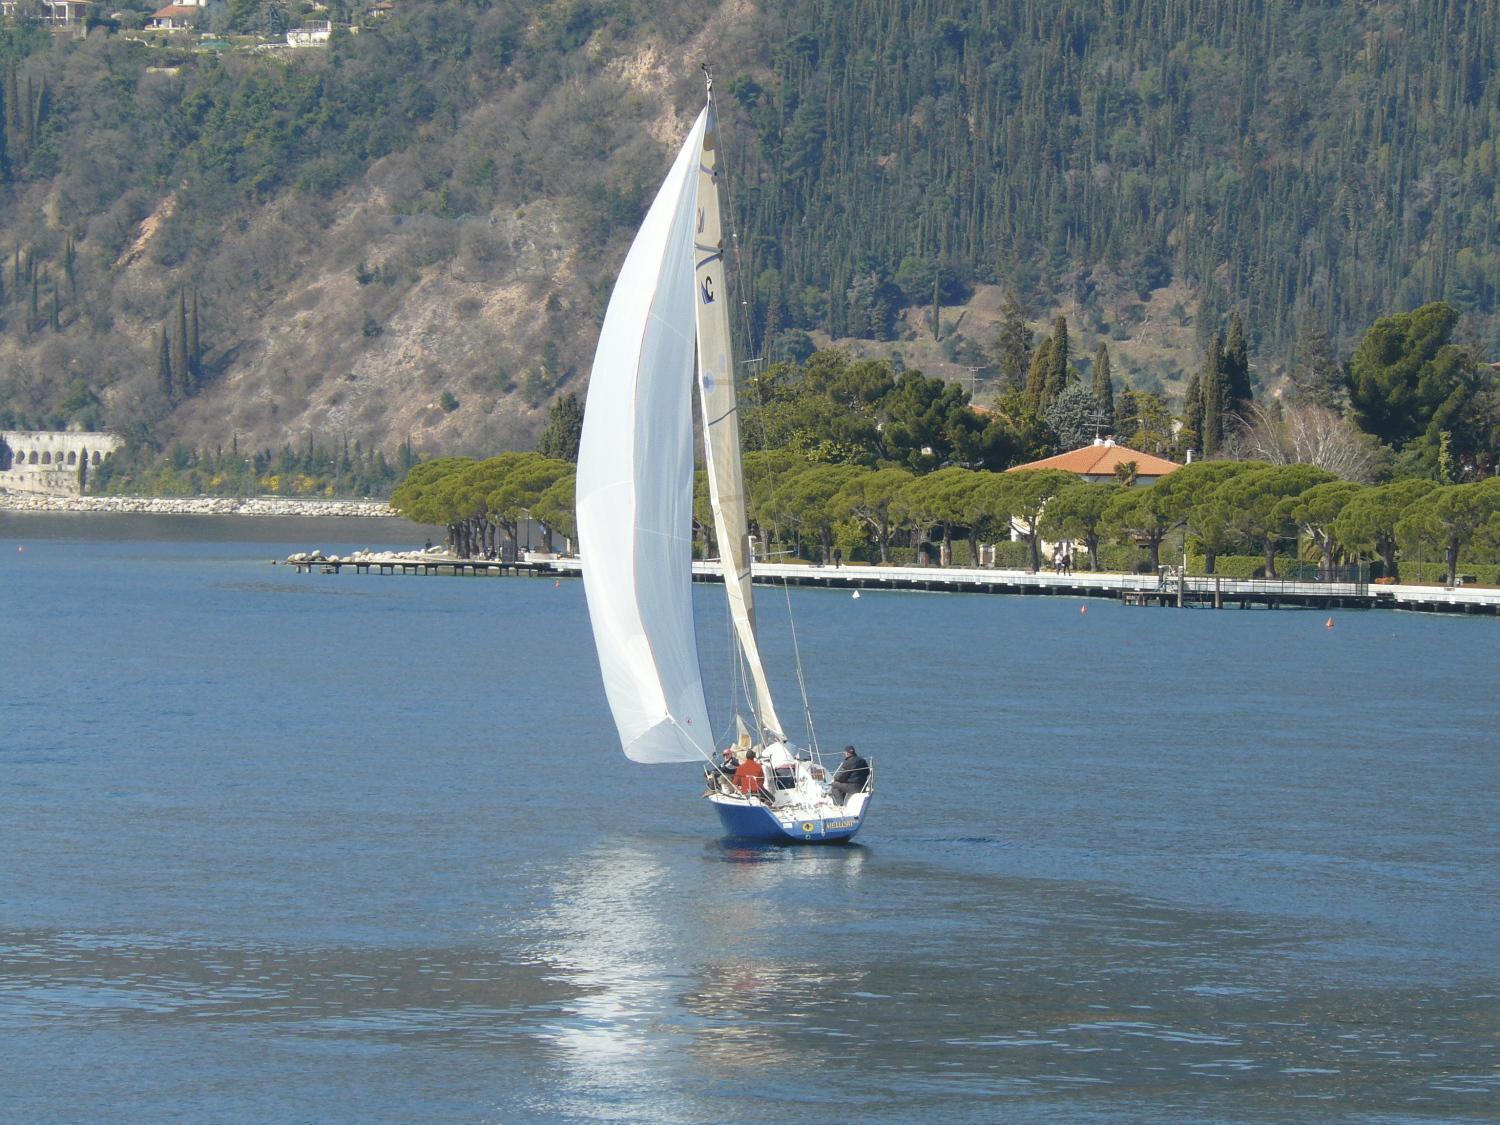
671 972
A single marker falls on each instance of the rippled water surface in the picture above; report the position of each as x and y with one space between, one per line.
304 847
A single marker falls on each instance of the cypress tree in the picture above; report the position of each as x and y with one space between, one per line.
1237 367
1012 344
1316 375
1192 412
1059 374
37 112
182 367
1036 378
164 363
195 345
1104 386
56 317
28 115
4 139
1214 389
14 137
34 311
560 437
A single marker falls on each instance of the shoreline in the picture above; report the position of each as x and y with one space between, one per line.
197 505
1213 592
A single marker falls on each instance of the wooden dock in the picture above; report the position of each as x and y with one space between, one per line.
1167 590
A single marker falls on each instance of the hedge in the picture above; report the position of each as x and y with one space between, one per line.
1485 574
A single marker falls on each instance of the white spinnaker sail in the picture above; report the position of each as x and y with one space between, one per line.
635 484
721 424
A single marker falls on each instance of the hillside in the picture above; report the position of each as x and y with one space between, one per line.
410 233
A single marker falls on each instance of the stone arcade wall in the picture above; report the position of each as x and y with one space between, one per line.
46 461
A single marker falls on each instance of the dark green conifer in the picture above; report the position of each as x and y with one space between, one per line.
181 365
4 139
1059 372
1036 377
195 345
15 138
164 363
564 428
1012 344
1214 398
1104 386
1316 375
1192 413
1237 386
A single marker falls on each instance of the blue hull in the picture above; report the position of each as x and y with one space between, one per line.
756 822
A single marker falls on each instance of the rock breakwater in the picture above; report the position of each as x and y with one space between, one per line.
196 505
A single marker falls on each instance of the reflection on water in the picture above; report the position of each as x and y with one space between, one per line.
785 982
453 995
674 984
612 949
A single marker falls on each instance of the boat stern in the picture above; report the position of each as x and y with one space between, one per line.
754 820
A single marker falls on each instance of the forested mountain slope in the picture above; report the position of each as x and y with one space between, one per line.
412 231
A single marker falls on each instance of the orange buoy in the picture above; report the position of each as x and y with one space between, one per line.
557 584
1083 609
1328 624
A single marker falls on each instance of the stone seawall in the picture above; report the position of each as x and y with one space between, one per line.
196 505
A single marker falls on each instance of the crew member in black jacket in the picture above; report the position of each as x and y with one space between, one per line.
853 775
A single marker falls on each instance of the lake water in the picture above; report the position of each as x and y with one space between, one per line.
303 847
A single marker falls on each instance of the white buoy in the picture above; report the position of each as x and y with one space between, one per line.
855 594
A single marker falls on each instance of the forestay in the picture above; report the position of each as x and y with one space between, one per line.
635 484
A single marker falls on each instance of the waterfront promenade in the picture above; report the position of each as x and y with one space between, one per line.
1132 589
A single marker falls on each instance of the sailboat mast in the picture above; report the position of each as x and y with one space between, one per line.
721 426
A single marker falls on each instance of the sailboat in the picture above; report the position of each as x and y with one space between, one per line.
635 510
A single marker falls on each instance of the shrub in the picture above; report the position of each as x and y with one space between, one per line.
1234 566
1012 555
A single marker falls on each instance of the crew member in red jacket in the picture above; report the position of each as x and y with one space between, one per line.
750 777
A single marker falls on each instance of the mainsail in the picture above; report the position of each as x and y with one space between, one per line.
635 483
721 426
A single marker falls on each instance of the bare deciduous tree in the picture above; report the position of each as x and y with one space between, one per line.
1304 435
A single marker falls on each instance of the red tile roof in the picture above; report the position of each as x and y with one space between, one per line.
1101 460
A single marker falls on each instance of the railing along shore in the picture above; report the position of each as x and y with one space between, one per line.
1167 589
